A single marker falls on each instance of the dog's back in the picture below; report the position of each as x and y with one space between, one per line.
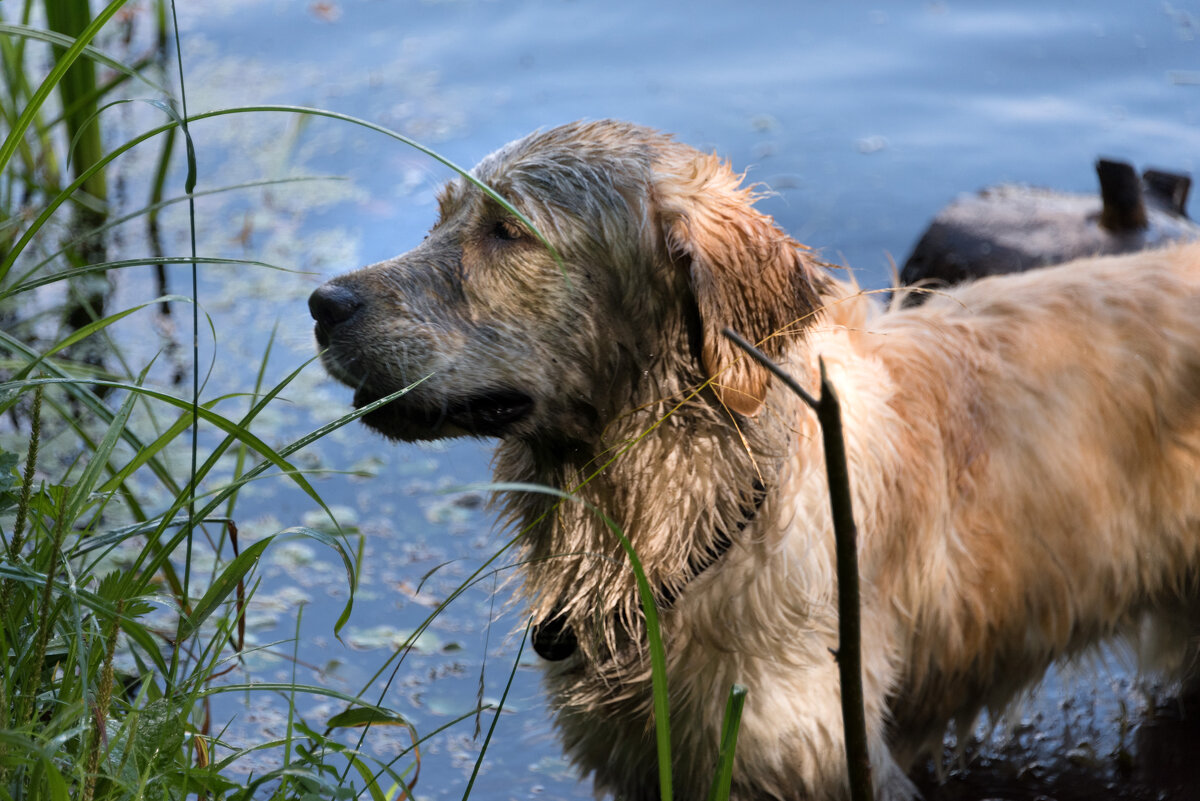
1062 501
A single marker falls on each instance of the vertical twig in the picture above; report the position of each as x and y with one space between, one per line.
189 186
849 653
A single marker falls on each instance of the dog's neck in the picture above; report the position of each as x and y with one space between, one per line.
680 478
553 637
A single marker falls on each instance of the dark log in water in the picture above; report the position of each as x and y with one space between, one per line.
1010 228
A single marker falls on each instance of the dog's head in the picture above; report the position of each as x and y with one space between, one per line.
659 248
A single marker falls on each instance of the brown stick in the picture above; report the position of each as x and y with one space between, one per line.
849 653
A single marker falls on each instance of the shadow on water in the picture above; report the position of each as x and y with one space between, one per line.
1161 765
1093 745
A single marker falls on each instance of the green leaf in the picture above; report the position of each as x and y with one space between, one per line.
225 583
113 587
81 492
364 716
368 776
337 544
56 783
160 732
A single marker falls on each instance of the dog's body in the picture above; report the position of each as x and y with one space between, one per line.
1023 456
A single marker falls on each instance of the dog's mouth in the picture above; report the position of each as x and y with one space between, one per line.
488 414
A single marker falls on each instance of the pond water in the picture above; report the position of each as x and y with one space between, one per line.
863 118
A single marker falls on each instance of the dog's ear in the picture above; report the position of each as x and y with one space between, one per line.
745 272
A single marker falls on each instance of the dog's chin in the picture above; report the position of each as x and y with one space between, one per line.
494 413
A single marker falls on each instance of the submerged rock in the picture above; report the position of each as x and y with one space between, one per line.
1013 228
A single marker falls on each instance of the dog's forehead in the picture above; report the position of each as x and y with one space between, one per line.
602 141
584 169
573 156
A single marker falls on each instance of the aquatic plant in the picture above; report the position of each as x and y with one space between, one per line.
100 696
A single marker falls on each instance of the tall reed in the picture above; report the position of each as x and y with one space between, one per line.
80 110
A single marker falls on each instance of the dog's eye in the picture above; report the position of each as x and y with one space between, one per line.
507 231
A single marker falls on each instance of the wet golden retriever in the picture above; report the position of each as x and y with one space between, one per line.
1023 453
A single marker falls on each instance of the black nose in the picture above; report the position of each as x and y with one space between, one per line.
333 304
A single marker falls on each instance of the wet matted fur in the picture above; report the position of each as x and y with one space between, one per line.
1023 455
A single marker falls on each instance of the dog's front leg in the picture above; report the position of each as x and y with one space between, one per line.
890 782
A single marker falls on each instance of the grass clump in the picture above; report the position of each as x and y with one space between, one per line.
112 645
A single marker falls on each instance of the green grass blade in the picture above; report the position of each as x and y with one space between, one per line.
149 452
50 37
79 93
34 104
239 465
81 491
723 780
433 154
223 423
354 759
351 574
219 590
223 494
288 687
499 709
368 775
47 759
64 195
91 328
100 164
103 267
658 658
152 208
